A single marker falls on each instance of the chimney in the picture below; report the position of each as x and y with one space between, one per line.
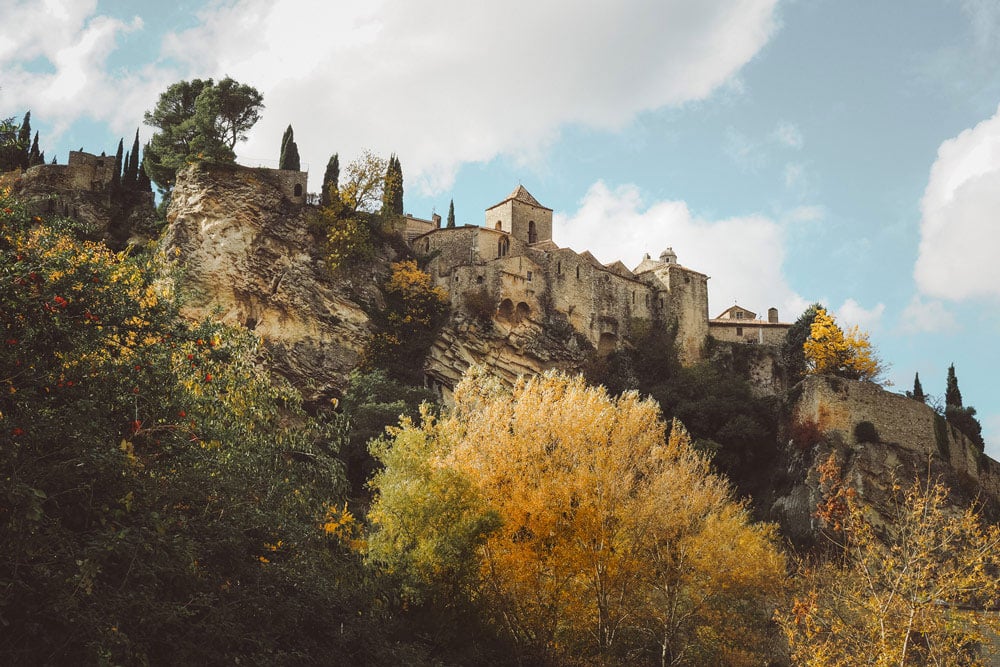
772 315
437 220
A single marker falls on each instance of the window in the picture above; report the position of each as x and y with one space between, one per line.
739 314
529 276
503 246
578 273
739 331
298 189
532 232
499 226
558 268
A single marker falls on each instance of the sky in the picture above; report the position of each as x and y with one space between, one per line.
840 151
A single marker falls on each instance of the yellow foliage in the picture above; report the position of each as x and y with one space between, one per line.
829 350
613 539
905 595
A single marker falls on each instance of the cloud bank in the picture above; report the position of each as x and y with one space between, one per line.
959 230
440 84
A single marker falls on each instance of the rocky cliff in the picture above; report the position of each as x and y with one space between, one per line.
247 257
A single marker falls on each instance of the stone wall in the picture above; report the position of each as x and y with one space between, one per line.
686 299
837 406
748 331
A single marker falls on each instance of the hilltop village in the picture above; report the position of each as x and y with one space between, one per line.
514 259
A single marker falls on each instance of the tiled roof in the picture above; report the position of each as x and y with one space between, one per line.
522 195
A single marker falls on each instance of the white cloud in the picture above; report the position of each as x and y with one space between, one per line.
922 316
451 82
73 47
440 84
851 314
789 135
743 256
959 234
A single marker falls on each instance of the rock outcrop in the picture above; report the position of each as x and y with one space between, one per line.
247 257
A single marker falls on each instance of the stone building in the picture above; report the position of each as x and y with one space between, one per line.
513 263
739 325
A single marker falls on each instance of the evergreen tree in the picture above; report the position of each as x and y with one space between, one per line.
451 214
24 140
116 175
289 158
918 391
132 176
331 180
34 156
952 395
392 188
962 418
125 161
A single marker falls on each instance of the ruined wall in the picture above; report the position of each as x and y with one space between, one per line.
291 183
838 405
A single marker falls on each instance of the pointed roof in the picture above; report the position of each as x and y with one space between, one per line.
522 195
618 268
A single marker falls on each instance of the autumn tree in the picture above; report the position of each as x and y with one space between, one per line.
614 543
364 179
831 350
902 594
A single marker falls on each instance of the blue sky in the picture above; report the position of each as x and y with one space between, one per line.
832 150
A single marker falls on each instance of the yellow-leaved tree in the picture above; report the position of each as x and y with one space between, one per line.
910 593
831 350
592 534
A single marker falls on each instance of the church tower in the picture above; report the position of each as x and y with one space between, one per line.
521 216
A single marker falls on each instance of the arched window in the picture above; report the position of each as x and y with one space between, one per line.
499 226
298 189
532 232
503 246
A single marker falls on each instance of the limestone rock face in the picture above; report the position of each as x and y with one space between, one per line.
247 258
507 349
913 442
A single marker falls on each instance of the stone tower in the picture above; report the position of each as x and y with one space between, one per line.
521 216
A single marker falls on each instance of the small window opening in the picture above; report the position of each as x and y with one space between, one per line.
499 225
298 189
578 273
739 331
532 232
529 276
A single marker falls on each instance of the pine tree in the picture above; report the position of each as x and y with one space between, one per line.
331 180
131 180
451 214
952 395
918 391
289 157
116 175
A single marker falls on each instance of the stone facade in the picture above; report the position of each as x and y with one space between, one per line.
512 265
739 325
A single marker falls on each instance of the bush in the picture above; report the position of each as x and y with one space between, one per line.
865 431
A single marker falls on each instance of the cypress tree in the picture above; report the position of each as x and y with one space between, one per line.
126 161
24 140
952 396
116 175
289 157
918 391
132 178
392 188
34 156
451 213
331 180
